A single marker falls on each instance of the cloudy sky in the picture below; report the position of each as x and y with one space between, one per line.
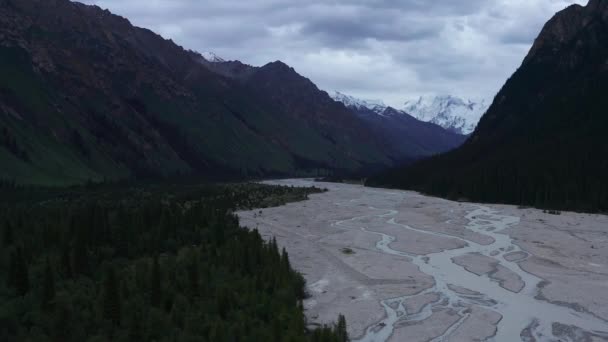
376 49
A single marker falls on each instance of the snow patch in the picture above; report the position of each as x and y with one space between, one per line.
212 57
377 106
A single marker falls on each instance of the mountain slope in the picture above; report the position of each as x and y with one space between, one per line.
405 137
318 129
543 140
85 95
453 113
352 102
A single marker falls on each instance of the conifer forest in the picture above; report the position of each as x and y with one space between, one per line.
148 263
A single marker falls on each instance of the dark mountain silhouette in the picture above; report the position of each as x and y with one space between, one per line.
407 136
543 141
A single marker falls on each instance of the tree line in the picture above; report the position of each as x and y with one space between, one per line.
149 263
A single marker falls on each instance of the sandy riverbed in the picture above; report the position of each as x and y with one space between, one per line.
405 267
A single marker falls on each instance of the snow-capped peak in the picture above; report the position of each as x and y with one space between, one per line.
376 106
451 112
211 57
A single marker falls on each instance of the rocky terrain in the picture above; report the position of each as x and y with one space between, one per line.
406 267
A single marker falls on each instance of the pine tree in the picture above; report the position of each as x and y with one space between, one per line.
7 235
193 272
66 262
285 261
18 277
135 328
341 332
111 304
155 283
48 285
80 259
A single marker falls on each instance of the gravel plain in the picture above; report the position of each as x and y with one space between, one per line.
406 267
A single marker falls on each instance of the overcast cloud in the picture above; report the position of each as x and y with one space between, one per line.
375 49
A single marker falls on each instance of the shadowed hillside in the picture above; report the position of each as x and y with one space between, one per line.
543 140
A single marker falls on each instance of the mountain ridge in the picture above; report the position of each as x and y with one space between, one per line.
404 134
542 141
84 95
453 113
377 106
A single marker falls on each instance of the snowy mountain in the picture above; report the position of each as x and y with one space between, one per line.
450 112
403 134
211 57
377 106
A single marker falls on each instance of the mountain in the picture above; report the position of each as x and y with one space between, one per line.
84 95
450 112
405 137
230 69
543 140
212 57
376 106
292 97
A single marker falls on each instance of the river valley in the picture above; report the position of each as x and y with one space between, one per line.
406 267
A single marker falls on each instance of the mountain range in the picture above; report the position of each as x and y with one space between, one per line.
453 113
543 140
355 103
450 112
404 134
85 95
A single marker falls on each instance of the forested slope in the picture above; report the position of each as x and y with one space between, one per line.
543 141
147 263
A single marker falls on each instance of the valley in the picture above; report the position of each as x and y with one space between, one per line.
138 191
403 266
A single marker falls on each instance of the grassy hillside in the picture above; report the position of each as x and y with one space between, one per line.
84 95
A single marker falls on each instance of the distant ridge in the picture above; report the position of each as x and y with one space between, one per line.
406 137
450 112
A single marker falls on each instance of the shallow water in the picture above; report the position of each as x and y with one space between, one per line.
519 310
524 317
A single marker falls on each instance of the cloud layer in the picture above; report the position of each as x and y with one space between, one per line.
380 49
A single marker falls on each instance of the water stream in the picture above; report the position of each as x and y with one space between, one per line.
519 310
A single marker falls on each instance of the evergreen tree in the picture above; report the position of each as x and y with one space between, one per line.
80 258
62 319
7 235
18 277
135 329
193 272
48 285
111 304
286 266
66 262
155 283
341 332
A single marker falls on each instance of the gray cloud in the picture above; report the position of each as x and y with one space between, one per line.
342 27
386 49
